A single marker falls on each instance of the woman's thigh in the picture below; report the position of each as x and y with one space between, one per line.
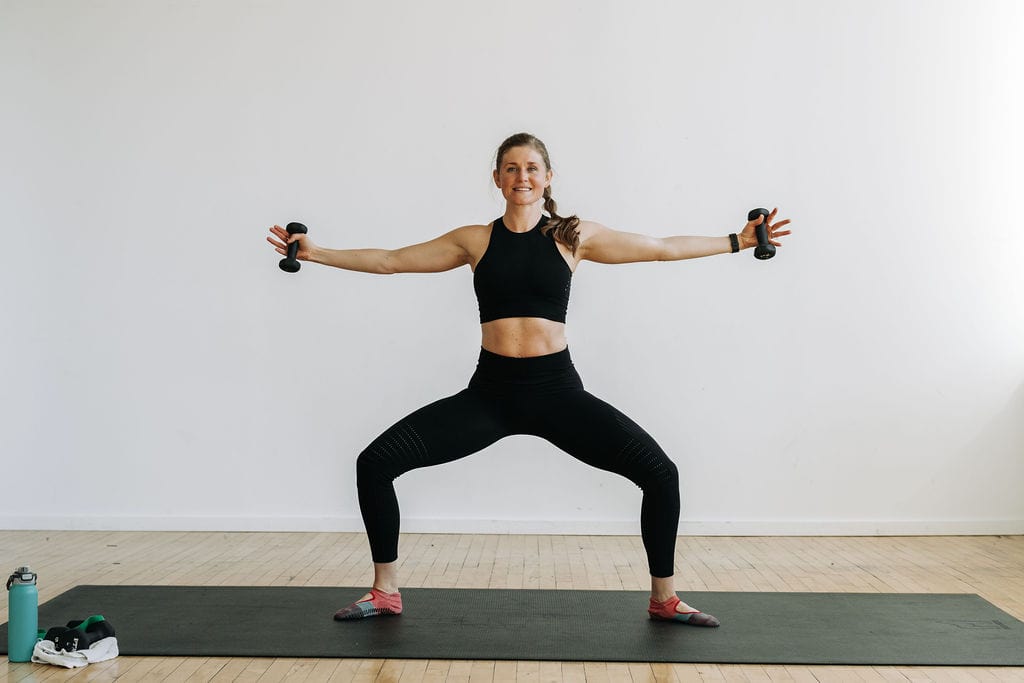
440 432
598 434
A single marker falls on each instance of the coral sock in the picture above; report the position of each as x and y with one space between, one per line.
379 604
667 611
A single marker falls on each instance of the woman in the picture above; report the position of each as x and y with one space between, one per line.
525 382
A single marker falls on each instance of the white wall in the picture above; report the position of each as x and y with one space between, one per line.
160 372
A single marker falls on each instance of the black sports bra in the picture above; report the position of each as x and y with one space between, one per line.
522 275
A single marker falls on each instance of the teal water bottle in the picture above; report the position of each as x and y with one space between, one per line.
23 614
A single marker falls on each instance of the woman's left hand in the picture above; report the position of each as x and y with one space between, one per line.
748 238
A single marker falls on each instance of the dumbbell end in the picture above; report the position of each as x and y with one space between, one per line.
764 250
290 264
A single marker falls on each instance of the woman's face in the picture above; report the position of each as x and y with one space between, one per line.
522 176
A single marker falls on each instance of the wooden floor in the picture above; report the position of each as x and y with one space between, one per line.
992 567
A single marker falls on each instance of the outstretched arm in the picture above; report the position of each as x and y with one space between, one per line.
442 253
604 245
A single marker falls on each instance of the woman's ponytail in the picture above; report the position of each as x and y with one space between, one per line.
565 230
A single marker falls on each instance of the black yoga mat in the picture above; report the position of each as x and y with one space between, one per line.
577 625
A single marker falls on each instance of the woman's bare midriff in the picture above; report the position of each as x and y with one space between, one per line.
523 337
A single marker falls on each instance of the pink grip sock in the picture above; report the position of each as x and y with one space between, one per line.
667 611
379 604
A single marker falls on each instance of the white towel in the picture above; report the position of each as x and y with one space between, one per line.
45 652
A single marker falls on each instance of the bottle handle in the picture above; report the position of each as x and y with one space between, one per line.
20 576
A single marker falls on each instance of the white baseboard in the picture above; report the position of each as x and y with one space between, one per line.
979 527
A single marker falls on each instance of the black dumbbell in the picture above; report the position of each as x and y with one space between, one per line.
290 264
765 249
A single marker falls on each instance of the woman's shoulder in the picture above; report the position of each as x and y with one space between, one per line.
473 239
588 228
472 232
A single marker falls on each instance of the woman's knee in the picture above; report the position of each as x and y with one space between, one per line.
662 473
647 464
670 473
370 467
396 451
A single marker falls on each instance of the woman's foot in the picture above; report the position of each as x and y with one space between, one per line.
675 609
374 604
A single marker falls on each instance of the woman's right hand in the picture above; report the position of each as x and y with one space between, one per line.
306 246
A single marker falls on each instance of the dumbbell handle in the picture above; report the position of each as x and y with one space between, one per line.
765 249
290 264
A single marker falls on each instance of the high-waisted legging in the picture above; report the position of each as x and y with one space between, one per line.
542 396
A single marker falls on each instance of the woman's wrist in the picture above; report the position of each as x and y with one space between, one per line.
317 255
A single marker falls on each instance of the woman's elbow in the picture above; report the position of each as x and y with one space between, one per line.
662 250
387 264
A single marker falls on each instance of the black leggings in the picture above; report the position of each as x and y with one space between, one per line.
542 396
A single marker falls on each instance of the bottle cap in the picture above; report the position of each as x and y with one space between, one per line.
21 576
